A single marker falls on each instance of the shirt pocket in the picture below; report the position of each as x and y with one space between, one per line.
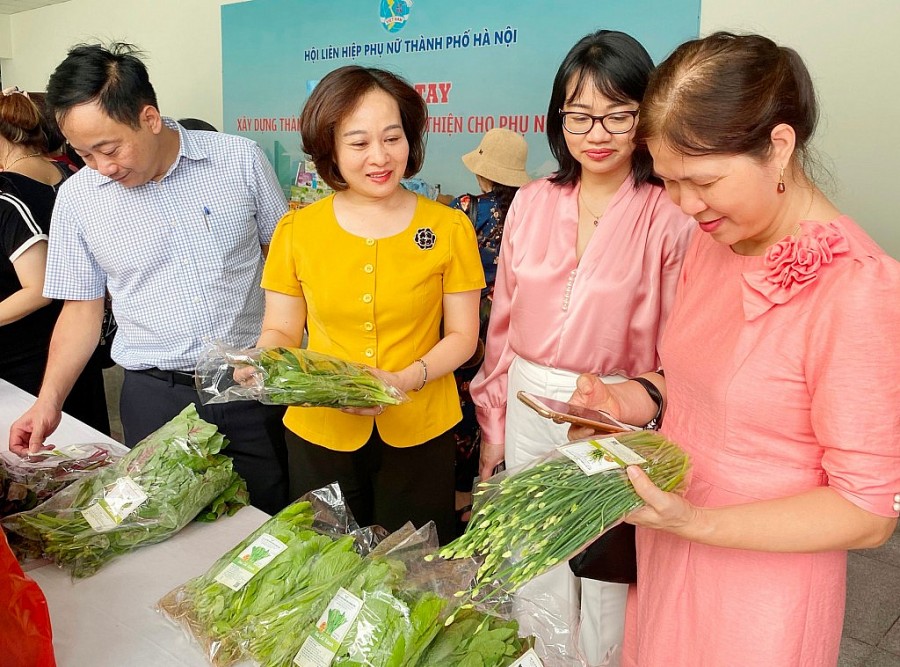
231 234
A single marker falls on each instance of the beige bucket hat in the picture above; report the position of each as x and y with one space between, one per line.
500 157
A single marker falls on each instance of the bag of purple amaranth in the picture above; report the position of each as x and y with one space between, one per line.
26 482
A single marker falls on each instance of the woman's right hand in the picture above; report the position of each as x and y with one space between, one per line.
492 455
245 375
592 392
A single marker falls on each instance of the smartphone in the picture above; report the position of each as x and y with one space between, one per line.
560 411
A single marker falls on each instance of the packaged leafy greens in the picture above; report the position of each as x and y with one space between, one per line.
172 476
26 482
283 557
529 519
292 376
382 613
475 638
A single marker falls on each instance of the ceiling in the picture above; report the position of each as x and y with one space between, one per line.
16 6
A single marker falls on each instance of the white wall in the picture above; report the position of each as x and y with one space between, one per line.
852 51
5 40
852 54
181 38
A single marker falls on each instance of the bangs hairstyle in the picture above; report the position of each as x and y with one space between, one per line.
21 122
113 77
337 95
725 93
619 67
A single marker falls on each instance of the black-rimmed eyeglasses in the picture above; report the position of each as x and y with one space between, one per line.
619 122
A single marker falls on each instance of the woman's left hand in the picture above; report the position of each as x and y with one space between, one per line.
392 379
663 510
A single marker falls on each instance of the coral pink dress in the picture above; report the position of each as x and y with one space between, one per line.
782 373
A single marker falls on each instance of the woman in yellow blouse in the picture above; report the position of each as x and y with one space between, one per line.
377 275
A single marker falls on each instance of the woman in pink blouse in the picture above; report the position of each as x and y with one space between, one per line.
781 366
587 272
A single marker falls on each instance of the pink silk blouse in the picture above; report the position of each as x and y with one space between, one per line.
603 314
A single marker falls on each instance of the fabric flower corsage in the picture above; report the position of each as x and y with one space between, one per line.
791 265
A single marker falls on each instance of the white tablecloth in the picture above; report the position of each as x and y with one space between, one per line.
14 402
108 620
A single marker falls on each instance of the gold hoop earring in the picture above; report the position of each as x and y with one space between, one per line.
781 182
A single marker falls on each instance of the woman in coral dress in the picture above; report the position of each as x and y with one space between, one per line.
781 370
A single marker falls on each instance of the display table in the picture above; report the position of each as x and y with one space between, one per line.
14 402
109 620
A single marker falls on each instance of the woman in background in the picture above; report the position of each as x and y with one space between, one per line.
781 367
28 186
588 266
499 167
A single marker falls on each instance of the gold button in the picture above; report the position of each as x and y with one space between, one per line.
370 352
368 268
367 298
370 241
368 326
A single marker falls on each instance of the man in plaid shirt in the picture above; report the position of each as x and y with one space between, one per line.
175 224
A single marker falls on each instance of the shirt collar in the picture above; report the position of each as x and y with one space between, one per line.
188 147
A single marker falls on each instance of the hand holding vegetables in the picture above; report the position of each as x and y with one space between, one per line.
293 376
661 510
527 521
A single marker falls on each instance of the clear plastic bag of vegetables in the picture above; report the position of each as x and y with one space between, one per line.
26 482
279 559
173 475
476 638
383 612
291 376
529 519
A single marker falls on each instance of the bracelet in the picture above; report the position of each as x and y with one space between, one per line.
656 397
424 374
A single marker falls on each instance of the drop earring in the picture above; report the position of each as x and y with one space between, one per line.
781 181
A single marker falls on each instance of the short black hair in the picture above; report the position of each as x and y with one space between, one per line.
620 68
114 77
196 124
337 95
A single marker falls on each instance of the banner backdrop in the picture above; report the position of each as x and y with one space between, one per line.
478 65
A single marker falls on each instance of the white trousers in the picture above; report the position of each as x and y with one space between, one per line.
592 611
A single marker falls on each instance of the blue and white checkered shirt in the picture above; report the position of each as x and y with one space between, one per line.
181 257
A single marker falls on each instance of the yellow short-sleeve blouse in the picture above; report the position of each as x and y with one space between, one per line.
378 302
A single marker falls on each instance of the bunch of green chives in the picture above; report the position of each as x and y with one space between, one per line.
526 522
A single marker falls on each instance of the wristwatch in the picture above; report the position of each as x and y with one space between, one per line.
657 398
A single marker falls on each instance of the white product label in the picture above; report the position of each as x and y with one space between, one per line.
595 456
51 457
335 622
530 659
251 560
621 454
74 451
119 500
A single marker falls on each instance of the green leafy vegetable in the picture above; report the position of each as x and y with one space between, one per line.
178 468
476 639
275 637
215 614
292 376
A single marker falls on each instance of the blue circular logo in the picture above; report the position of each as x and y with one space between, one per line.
395 14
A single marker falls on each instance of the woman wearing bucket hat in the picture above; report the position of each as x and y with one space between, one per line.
499 166
588 267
